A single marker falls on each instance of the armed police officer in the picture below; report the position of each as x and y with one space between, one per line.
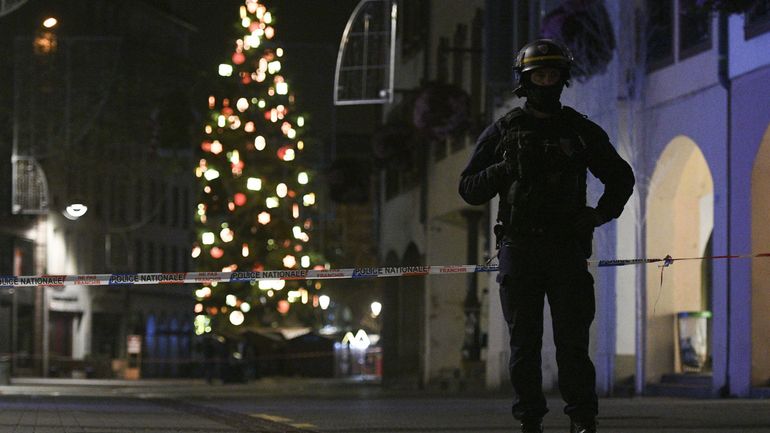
536 159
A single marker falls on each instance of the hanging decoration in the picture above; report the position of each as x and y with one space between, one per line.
585 27
441 110
394 146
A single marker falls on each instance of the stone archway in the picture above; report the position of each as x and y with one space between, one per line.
679 221
760 268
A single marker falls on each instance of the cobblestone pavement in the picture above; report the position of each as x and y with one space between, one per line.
307 406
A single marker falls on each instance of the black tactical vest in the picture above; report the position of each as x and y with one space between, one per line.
550 158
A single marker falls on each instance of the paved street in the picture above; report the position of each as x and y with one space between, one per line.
294 405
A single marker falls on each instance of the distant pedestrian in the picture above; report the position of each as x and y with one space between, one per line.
536 159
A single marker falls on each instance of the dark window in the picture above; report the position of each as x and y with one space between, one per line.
139 190
113 200
414 29
175 207
182 262
138 256
164 259
757 19
694 28
163 203
152 266
187 211
660 33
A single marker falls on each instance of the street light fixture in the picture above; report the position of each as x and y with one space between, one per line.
376 308
50 22
324 301
75 211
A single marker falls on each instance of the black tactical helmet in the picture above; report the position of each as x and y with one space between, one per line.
542 53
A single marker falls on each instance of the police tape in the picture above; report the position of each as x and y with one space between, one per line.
129 279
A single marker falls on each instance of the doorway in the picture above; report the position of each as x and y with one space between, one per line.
679 221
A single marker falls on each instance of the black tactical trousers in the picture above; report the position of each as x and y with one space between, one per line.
532 267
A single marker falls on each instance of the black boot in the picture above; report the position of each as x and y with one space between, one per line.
583 427
534 426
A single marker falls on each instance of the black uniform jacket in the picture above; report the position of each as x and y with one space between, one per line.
555 154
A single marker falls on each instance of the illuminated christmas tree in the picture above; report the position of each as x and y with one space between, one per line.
256 205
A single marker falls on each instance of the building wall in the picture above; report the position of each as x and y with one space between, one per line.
750 119
440 233
644 112
746 55
108 138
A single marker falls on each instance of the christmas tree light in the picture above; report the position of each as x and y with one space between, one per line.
253 178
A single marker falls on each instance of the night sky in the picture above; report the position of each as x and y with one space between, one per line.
309 31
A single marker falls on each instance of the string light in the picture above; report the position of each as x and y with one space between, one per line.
289 261
236 317
216 147
254 184
208 238
242 105
273 67
226 235
225 70
308 199
260 143
211 174
281 190
231 300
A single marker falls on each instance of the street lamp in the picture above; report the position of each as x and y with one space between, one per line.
50 22
75 210
376 308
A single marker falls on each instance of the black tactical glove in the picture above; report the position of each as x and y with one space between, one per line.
502 172
587 219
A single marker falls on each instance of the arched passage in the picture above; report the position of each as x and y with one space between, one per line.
680 220
760 268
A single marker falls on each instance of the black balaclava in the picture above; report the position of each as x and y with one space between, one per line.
543 98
